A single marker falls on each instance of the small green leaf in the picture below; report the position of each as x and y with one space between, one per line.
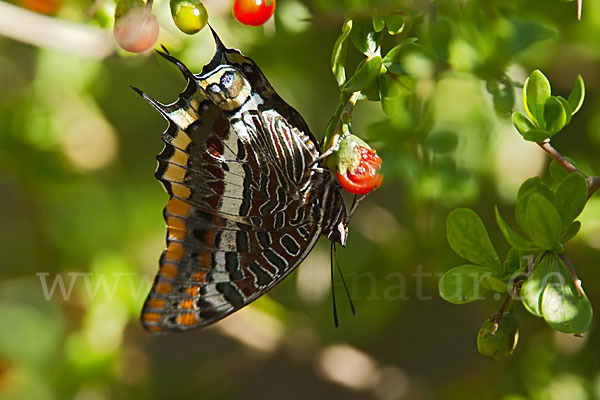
395 23
517 241
397 53
364 38
557 172
378 23
537 135
543 221
504 98
522 124
512 263
555 116
338 55
535 92
462 284
577 95
561 306
469 239
442 141
567 107
570 232
532 289
365 73
570 197
531 185
494 283
537 184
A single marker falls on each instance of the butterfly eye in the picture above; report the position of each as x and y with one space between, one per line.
227 80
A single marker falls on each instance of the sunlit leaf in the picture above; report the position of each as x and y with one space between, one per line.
365 73
543 221
515 240
555 115
535 93
469 239
338 56
561 306
570 197
577 95
462 284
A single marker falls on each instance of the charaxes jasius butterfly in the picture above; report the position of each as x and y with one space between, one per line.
249 196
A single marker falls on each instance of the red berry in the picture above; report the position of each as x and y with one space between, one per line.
253 12
137 30
365 176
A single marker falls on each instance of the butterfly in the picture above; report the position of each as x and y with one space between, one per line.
249 196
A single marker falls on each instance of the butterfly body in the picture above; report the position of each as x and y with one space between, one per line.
248 198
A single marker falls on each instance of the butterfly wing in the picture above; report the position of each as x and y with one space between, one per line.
240 217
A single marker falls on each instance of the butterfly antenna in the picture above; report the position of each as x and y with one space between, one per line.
184 70
343 280
335 315
160 107
355 202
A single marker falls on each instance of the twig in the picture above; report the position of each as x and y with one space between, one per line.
573 274
593 182
556 156
53 33
346 112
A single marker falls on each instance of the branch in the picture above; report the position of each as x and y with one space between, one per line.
53 33
344 115
573 274
593 182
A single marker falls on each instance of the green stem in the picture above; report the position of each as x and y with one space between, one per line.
344 117
571 269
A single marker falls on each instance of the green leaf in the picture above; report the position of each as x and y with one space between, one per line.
577 95
555 115
462 284
522 124
364 38
378 23
532 289
543 221
395 23
442 141
537 184
504 98
338 56
567 107
517 241
397 53
364 75
531 185
570 197
557 172
535 93
469 239
512 263
561 306
570 232
494 283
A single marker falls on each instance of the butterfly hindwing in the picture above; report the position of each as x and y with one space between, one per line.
242 214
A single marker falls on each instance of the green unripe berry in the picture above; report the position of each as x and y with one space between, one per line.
190 16
498 340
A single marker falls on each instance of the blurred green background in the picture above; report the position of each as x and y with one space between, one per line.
79 207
